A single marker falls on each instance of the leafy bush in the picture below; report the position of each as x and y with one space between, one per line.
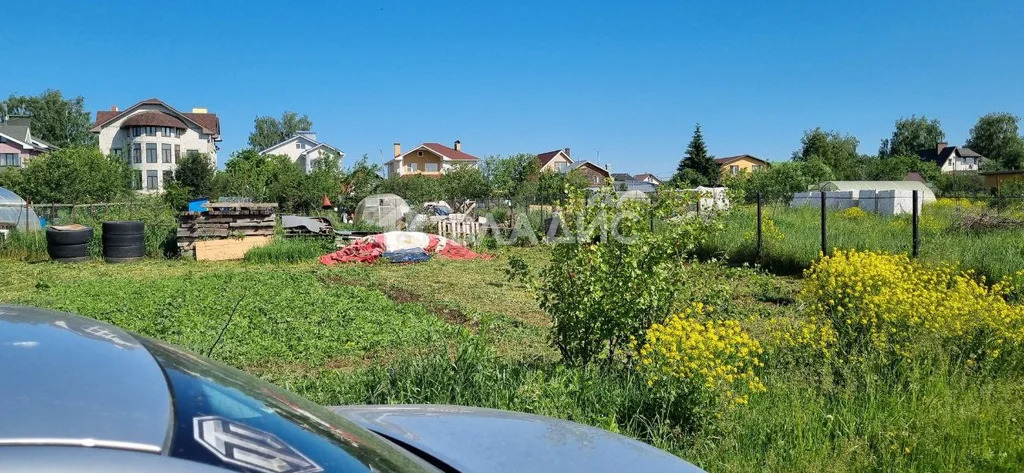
604 290
75 175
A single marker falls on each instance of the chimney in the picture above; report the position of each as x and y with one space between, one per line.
398 149
940 146
309 135
113 108
458 145
199 110
566 151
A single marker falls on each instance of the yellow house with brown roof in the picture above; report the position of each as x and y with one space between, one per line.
734 165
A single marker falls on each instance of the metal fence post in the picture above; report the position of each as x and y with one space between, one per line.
760 242
914 218
824 242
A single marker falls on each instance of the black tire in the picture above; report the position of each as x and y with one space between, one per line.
123 240
124 251
68 237
127 227
68 251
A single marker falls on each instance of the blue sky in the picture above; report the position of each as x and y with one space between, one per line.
625 79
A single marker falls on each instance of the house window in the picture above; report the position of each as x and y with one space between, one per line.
150 131
177 153
1 139
137 180
115 152
168 177
734 169
562 166
166 152
150 152
430 167
300 145
413 167
136 131
152 180
137 153
419 153
10 159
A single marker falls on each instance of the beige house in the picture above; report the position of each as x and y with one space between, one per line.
304 150
152 136
557 160
428 159
734 165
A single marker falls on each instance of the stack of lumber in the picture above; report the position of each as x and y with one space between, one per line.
250 224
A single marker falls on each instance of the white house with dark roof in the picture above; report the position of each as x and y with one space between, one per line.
17 145
429 159
152 136
952 158
305 150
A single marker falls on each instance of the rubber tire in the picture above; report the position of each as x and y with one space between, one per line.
68 237
124 251
126 227
68 251
123 240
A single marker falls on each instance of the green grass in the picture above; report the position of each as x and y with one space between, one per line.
796 241
458 332
292 250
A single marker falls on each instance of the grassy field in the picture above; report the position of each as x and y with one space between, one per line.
792 238
458 332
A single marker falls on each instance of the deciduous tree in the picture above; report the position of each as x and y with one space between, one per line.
56 120
838 152
996 137
268 131
912 135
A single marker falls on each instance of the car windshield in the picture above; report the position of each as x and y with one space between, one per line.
230 419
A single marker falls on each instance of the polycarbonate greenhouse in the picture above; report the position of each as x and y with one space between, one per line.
13 213
382 210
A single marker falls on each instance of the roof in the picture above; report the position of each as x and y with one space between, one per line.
1003 172
209 122
579 164
63 363
732 159
449 152
153 118
18 133
645 176
545 158
621 176
941 156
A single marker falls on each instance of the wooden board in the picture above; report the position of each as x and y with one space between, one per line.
230 249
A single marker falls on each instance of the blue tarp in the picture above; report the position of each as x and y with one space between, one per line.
410 255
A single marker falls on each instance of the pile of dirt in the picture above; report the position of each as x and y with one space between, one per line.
986 221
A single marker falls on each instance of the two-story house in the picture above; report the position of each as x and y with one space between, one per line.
557 160
428 159
152 136
17 145
734 165
305 150
952 158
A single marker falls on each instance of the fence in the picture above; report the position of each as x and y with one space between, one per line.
985 233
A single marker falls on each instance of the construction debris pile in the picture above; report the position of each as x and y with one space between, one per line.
248 224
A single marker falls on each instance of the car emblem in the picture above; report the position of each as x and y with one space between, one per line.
242 445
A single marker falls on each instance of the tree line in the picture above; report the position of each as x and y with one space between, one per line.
828 154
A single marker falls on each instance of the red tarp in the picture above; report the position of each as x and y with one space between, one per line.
368 249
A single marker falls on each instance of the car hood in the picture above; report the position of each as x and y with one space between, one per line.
471 439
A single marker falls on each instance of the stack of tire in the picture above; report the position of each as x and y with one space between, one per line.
68 243
123 241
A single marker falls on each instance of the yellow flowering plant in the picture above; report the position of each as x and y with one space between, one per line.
888 305
717 358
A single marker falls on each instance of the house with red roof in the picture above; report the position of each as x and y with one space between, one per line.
429 159
557 160
152 136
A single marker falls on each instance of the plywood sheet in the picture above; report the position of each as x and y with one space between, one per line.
229 249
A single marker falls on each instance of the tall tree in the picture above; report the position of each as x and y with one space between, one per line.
698 162
195 172
996 137
268 131
54 119
75 175
838 152
912 135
